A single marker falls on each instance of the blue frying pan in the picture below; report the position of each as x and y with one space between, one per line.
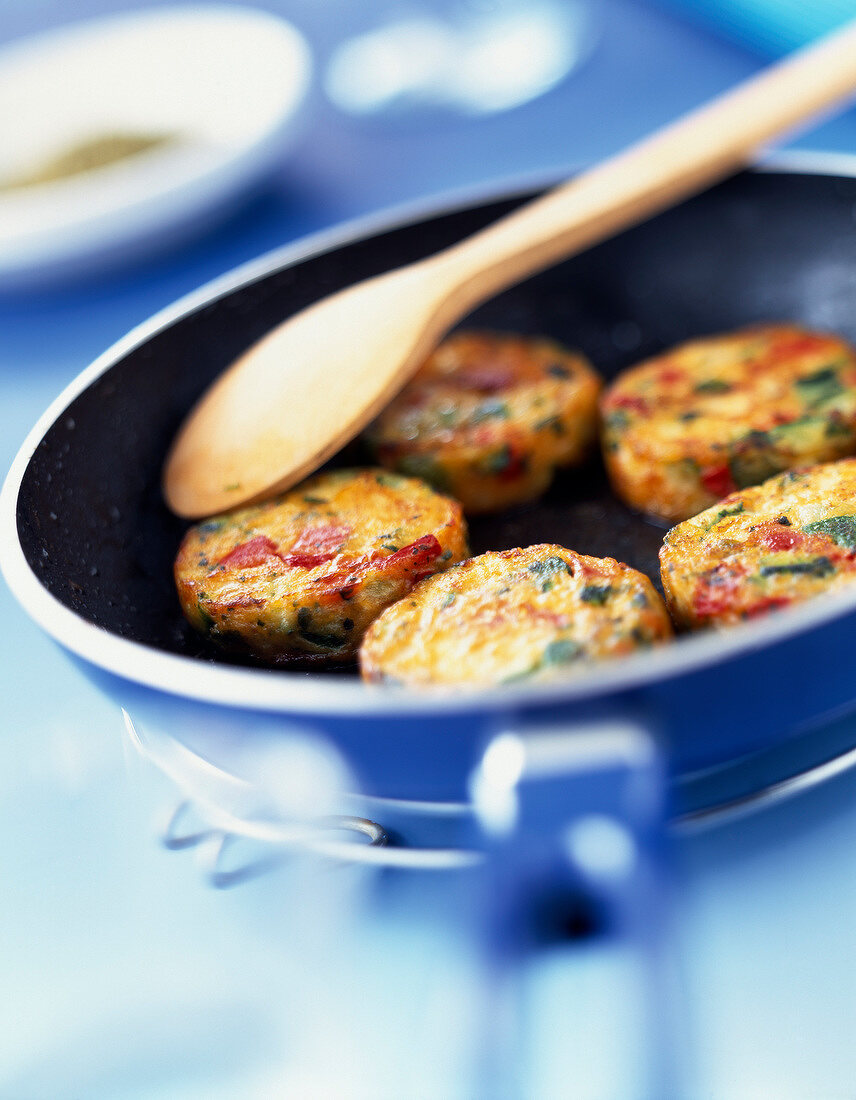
87 543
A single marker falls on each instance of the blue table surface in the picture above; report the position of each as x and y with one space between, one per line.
123 974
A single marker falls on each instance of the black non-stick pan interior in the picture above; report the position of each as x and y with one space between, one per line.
762 246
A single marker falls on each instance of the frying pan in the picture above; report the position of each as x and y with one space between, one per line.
87 543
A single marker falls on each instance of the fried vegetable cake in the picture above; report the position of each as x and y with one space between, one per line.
302 577
513 615
719 414
764 548
489 417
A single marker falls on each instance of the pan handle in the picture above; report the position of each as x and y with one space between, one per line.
572 925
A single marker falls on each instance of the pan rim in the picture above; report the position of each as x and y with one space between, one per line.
259 689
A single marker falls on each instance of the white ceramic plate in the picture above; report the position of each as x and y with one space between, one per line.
224 83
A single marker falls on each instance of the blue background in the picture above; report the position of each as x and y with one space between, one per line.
123 973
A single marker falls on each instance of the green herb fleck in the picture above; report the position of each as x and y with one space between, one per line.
596 594
548 566
714 385
561 652
752 462
497 462
617 421
841 529
490 410
819 387
315 500
205 616
723 513
685 468
784 433
211 525
449 600
559 371
389 546
817 567
547 570
836 426
425 467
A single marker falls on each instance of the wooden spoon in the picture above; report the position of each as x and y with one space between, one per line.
305 389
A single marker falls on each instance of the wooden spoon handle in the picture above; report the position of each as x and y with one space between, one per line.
700 148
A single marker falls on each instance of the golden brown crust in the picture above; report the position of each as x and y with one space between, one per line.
688 427
514 615
302 577
779 543
489 417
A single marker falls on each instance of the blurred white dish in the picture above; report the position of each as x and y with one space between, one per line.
222 85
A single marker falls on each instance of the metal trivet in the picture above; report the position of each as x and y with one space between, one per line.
704 801
221 841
